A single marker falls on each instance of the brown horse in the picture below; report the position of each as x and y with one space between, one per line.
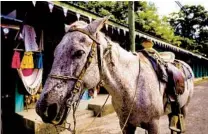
128 79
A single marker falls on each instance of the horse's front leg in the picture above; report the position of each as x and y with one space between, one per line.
128 128
153 127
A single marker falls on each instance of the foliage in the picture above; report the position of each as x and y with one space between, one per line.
191 23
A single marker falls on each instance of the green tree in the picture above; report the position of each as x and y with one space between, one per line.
191 23
149 21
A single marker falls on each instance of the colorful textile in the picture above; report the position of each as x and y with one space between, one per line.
39 60
16 60
27 61
27 72
33 82
29 37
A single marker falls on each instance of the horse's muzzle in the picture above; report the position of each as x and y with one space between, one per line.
47 113
53 113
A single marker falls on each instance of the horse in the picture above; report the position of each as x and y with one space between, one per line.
85 57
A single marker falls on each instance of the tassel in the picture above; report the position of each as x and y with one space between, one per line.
39 60
27 61
16 60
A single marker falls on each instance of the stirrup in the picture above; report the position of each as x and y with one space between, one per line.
173 124
181 123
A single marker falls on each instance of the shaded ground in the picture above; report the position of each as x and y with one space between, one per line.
196 122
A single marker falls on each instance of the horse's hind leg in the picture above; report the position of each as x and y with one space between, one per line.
184 110
128 129
153 127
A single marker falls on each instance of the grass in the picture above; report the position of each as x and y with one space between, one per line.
201 81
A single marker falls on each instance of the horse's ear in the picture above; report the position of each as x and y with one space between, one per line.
97 25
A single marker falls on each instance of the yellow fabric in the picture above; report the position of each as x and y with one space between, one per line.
27 61
147 45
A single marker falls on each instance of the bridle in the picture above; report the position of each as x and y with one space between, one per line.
79 82
78 86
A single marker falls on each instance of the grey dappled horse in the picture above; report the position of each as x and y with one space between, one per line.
128 78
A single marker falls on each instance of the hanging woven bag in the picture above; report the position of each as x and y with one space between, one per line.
16 60
39 60
27 61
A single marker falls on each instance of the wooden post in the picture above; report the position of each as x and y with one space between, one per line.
131 22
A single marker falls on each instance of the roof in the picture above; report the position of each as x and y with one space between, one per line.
157 41
88 14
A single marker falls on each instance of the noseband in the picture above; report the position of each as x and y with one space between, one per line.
79 82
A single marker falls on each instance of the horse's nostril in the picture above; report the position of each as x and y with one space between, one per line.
52 111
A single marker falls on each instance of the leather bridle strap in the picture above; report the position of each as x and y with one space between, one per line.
85 32
62 77
78 83
98 46
99 61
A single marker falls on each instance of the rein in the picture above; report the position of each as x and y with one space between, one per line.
132 102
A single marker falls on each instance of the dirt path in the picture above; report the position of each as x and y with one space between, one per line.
197 118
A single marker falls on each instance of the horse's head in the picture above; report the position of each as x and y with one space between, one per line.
64 84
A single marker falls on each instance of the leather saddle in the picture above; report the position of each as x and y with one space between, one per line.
168 70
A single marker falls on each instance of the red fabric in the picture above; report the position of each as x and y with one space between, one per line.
16 60
27 72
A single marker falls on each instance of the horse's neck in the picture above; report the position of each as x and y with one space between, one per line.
121 70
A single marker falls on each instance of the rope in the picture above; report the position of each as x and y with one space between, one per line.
132 103
74 117
75 106
87 126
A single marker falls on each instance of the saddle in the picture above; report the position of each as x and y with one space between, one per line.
168 70
174 73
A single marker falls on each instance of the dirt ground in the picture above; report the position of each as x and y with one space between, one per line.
196 121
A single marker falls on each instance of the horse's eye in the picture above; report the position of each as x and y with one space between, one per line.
82 39
78 54
59 85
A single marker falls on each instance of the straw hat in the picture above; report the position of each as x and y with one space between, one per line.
147 43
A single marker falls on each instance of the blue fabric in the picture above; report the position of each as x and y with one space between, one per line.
154 64
39 60
19 101
85 96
